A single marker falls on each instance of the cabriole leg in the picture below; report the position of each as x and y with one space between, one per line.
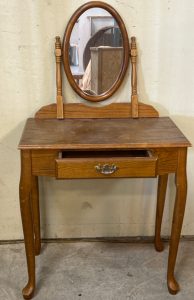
179 209
26 214
36 213
162 184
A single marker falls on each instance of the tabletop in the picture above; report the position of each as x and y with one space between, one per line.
101 134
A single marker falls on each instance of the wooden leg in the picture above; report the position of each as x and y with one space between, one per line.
36 213
179 209
162 184
26 214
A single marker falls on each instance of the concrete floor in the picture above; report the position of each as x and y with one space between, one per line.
94 271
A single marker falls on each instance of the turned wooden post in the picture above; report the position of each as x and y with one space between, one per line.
58 78
134 97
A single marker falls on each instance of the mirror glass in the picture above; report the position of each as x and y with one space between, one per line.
95 51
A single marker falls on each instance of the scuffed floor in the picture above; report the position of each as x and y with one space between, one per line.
94 271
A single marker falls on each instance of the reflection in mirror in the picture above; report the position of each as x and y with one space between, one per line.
95 51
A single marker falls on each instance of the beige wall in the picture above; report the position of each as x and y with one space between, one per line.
89 208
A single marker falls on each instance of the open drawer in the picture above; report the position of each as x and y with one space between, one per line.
102 164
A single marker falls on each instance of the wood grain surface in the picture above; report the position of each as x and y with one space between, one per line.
81 111
98 134
58 78
162 185
134 97
43 161
179 210
129 166
106 64
27 221
36 213
167 160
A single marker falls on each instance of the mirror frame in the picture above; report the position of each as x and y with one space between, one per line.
65 47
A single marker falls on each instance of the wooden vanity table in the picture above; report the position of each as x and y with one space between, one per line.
122 140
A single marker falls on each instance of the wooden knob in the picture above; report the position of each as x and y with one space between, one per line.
57 39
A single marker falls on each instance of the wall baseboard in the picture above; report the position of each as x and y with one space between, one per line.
132 239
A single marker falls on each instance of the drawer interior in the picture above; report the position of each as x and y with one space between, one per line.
121 153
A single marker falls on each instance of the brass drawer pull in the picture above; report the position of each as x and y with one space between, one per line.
106 169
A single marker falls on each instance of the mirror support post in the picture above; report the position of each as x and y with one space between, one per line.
58 78
134 97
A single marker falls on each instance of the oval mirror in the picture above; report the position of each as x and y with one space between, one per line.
95 51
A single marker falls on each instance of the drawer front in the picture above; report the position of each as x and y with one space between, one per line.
116 167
